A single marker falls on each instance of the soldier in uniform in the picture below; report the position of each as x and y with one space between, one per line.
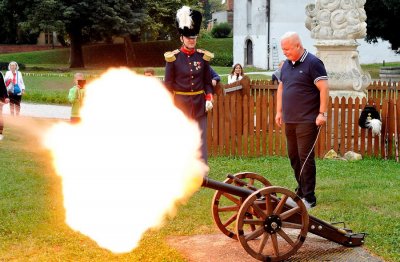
188 74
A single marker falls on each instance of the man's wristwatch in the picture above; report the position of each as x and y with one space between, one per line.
324 114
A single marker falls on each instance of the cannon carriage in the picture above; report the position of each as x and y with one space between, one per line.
248 208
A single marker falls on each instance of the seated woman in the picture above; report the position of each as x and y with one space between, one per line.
236 74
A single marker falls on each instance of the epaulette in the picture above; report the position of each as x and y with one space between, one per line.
207 55
170 55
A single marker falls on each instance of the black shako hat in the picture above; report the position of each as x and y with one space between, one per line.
188 21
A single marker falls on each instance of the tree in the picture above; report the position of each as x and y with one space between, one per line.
96 18
160 20
382 21
207 15
217 5
12 12
210 7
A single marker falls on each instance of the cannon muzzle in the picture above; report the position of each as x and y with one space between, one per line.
227 188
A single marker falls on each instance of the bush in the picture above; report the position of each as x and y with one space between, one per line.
222 59
221 30
204 34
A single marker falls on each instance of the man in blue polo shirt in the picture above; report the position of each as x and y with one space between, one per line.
302 104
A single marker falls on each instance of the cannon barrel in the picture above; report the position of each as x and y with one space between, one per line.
227 188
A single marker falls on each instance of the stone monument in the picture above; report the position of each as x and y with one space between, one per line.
335 25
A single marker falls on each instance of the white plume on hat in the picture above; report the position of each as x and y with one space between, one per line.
184 18
375 125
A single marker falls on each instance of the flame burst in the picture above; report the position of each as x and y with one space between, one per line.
128 163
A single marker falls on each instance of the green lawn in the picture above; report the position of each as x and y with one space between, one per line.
364 194
51 87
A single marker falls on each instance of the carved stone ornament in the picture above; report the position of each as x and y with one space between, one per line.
336 19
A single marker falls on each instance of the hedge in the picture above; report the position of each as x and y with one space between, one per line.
147 54
222 59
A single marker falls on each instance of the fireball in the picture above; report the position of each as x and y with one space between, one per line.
128 163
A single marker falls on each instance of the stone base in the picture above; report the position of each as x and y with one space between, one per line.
342 65
347 94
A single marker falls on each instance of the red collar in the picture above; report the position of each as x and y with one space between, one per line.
187 51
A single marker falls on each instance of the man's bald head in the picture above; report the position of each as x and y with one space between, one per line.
291 46
292 37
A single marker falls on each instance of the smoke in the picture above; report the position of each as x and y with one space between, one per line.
131 160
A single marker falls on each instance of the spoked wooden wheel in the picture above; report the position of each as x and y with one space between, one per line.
225 206
280 229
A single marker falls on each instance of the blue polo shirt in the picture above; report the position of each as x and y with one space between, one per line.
300 96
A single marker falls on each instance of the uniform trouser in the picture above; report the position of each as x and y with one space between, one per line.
1 118
300 141
202 121
15 104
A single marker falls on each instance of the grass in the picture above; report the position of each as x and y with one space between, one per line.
373 69
47 89
44 57
364 194
51 87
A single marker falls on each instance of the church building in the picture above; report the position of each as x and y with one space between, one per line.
259 24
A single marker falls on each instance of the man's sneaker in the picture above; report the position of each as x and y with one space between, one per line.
291 202
1 137
309 205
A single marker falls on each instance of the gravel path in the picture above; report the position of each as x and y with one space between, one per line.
43 111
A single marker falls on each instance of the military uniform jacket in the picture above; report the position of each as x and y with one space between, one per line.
189 73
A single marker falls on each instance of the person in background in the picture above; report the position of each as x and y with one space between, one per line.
302 104
4 99
15 87
188 73
75 97
236 74
276 76
149 71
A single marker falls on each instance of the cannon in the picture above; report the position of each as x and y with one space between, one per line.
267 227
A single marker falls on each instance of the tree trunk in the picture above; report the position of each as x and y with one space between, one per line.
76 54
129 51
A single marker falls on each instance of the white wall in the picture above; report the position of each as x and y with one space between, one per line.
288 15
220 17
256 32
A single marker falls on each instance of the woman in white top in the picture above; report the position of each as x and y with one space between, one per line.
15 87
236 74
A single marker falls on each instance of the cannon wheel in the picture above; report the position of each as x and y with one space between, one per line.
280 229
225 206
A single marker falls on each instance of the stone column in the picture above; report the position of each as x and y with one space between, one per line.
335 25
